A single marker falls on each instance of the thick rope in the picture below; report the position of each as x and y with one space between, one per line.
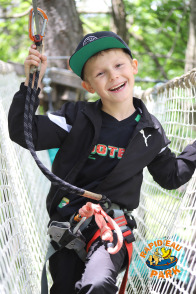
101 218
28 121
187 80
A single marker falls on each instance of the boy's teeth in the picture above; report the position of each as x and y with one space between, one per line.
115 88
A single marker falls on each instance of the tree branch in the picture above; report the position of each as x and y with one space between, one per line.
169 54
154 57
16 15
119 17
93 12
177 60
166 19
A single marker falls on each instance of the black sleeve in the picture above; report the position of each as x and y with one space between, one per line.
169 171
46 134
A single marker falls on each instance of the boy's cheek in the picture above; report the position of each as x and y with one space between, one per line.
87 87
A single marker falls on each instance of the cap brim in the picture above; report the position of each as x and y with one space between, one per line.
78 59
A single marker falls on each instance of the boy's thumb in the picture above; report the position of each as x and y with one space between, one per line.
43 57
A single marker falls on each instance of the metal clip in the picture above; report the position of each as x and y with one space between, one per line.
34 17
44 17
41 34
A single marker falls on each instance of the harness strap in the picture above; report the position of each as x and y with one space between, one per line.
50 252
128 239
44 281
129 247
101 217
95 236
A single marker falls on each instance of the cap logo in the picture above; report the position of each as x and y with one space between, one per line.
89 40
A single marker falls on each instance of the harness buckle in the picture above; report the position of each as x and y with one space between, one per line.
125 221
62 234
131 221
105 203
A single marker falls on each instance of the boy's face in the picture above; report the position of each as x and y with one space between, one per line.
111 75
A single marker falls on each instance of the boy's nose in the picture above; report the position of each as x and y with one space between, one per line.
113 75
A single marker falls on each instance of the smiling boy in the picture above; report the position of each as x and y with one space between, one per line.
104 147
111 75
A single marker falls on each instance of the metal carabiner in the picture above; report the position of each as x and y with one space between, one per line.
32 36
37 38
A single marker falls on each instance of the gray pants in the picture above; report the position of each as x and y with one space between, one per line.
97 276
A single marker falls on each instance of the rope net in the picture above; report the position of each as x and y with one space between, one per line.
168 215
161 213
23 217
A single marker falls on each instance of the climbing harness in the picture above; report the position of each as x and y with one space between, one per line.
69 234
126 225
63 235
105 228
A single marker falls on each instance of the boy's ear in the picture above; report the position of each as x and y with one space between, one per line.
87 87
135 66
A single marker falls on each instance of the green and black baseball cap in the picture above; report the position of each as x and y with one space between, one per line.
92 44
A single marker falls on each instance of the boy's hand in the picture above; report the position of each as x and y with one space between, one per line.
34 58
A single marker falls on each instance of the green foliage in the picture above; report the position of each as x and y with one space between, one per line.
14 40
158 30
94 23
163 26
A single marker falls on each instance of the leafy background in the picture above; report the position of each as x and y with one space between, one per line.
155 28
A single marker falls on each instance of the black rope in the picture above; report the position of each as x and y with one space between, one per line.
28 122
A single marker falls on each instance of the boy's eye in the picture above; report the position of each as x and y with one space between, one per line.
99 74
119 65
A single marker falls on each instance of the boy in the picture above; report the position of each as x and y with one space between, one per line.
104 147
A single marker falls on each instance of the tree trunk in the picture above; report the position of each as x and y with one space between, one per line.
64 29
191 46
119 17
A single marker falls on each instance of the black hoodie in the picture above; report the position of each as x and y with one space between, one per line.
75 129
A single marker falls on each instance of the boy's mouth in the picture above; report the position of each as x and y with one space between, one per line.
118 88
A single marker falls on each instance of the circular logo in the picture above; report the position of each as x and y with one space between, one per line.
89 40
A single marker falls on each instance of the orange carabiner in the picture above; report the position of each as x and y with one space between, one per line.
44 17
